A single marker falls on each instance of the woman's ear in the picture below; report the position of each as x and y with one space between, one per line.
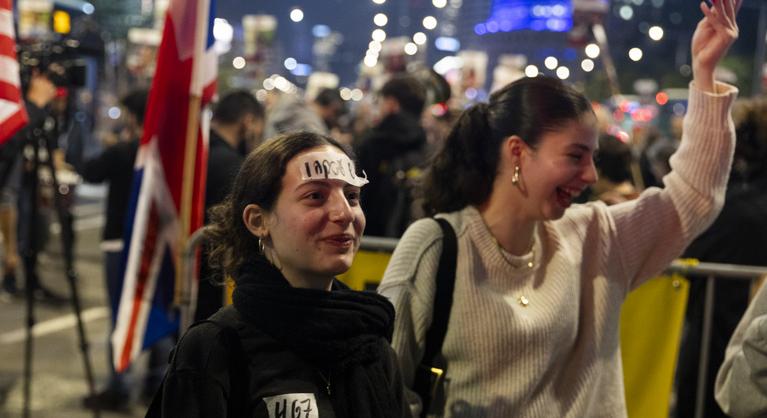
513 148
254 218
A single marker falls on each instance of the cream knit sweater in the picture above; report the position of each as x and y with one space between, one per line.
559 356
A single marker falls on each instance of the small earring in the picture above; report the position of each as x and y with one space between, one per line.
515 178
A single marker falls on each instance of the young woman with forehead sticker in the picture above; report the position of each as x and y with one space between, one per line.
296 342
533 327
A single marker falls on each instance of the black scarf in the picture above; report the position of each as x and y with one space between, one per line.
341 330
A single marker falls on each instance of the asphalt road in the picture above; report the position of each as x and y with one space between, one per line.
58 381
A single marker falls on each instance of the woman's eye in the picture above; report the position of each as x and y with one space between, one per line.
574 157
314 196
353 197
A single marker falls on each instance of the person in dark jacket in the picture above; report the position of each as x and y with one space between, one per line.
391 153
237 125
39 93
296 341
114 165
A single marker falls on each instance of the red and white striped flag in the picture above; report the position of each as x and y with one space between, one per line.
169 179
13 116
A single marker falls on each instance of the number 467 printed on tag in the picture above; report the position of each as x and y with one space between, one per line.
292 405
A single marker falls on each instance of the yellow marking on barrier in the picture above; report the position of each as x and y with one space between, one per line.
689 262
366 271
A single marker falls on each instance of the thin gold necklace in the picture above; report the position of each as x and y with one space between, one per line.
530 263
521 299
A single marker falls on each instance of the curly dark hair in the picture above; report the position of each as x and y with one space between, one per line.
463 170
259 181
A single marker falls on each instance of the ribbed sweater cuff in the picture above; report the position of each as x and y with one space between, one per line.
712 107
705 154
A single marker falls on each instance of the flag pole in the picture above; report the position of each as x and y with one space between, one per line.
195 103
182 295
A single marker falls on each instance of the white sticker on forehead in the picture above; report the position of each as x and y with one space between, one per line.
330 165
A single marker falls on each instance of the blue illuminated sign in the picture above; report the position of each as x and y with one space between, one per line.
537 15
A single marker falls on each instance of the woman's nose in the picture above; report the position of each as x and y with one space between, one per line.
590 175
340 210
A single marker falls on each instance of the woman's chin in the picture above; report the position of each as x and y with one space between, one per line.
339 266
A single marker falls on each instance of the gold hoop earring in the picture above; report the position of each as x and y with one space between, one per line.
515 178
261 246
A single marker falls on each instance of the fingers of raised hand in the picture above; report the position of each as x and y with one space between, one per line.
727 10
708 11
721 15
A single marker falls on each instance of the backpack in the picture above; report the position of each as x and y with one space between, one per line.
404 175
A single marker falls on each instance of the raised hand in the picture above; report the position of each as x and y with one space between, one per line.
712 38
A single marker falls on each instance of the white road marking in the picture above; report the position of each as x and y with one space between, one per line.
83 224
54 325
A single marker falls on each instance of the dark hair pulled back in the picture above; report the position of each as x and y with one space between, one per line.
259 181
463 171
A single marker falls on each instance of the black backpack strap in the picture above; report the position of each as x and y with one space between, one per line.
443 302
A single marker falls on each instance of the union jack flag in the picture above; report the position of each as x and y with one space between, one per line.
169 179
13 116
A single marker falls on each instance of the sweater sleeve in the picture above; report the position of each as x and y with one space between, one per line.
654 229
409 284
197 382
741 384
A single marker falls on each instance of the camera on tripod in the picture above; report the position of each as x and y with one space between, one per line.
58 61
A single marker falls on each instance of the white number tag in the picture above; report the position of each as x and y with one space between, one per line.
292 405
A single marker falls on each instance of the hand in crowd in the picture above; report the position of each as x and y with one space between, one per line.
712 38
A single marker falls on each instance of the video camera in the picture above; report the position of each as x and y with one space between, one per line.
57 61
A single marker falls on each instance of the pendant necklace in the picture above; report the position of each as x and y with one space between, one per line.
528 265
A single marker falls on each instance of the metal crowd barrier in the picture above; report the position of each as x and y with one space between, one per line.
188 300
712 271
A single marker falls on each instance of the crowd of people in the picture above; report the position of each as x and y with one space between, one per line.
517 248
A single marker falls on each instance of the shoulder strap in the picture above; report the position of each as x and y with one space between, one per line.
443 297
443 301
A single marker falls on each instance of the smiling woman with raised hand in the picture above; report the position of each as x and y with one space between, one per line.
296 341
532 330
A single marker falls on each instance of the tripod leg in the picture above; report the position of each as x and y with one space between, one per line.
30 272
67 241
29 343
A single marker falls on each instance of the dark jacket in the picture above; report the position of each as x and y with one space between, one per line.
225 367
279 348
386 153
224 162
114 165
